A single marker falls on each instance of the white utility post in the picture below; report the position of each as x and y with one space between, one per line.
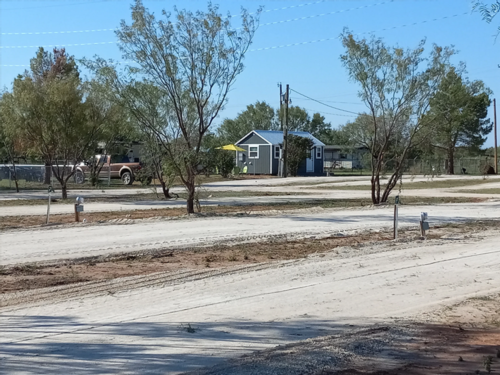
50 190
396 216
109 170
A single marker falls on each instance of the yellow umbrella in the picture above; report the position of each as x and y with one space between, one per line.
231 148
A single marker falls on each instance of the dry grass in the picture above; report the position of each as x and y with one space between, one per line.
10 222
431 184
144 197
481 191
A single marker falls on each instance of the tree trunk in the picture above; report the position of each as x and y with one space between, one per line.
64 190
48 173
376 170
451 163
191 188
165 189
15 176
190 202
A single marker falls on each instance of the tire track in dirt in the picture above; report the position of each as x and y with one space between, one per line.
96 288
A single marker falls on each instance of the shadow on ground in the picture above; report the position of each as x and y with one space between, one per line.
64 345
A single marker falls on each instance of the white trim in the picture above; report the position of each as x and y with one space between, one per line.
274 151
254 132
320 149
270 161
258 151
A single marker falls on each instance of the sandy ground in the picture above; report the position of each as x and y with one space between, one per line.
50 243
170 323
303 189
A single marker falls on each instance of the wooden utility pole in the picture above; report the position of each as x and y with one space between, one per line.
285 132
495 133
281 108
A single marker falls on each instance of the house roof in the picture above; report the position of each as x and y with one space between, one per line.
275 137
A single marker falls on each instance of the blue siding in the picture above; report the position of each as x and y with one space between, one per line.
318 167
260 165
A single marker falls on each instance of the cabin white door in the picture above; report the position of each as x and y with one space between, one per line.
310 161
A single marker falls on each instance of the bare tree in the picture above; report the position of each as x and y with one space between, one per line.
192 62
396 86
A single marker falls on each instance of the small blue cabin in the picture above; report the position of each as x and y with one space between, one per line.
262 153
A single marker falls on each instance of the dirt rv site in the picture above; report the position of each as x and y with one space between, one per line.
273 276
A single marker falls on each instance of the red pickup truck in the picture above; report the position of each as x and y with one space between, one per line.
112 167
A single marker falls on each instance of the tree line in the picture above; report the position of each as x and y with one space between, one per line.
182 67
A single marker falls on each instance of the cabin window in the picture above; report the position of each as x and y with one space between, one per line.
277 152
319 153
253 152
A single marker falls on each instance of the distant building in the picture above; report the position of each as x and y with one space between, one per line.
342 157
263 153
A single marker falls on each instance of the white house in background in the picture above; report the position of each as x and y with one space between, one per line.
341 157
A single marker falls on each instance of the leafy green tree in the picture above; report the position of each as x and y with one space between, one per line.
340 136
488 10
299 148
298 119
319 128
156 164
10 145
186 69
113 126
396 86
258 116
216 159
459 110
54 115
46 106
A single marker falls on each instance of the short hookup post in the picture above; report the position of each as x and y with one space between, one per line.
78 208
424 225
50 190
396 216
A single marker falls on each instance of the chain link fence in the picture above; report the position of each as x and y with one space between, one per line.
480 165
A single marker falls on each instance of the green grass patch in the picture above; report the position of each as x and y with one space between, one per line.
481 191
431 184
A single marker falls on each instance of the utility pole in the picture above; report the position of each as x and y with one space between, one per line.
495 133
282 121
281 108
285 130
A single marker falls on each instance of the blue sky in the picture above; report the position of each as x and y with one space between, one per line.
308 29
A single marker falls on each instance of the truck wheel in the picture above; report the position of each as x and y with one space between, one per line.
79 177
127 178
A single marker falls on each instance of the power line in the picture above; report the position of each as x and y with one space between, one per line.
58 5
324 14
263 24
327 113
363 33
327 105
57 45
59 32
235 15
266 48
333 101
288 7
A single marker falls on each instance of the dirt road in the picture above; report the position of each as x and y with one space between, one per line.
172 323
44 244
301 188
